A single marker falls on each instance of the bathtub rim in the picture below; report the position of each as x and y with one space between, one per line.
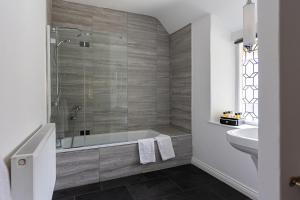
129 133
61 150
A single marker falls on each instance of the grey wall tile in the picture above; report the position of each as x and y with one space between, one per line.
121 161
132 47
142 23
91 166
180 51
77 168
73 15
183 152
49 12
111 21
145 82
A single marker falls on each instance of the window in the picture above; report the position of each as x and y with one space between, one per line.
248 84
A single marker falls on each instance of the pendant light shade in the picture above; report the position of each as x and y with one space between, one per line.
249 29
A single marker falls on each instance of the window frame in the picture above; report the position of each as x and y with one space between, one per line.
238 88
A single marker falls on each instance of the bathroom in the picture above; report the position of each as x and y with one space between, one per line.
159 100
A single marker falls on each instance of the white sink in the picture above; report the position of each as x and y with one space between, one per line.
245 140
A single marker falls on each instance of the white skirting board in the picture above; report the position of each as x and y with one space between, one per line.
226 179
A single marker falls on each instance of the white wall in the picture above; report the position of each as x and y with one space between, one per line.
269 124
22 71
222 70
211 151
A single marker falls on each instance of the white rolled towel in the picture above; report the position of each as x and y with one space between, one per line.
146 150
4 182
165 147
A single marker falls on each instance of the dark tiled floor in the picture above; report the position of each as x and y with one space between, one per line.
180 183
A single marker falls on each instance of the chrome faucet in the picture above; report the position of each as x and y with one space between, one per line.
75 110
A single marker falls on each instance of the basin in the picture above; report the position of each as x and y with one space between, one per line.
245 140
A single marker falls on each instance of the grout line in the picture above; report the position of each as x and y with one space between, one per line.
182 190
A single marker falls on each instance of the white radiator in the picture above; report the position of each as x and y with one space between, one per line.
33 166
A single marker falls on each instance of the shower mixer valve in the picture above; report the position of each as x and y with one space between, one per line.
75 110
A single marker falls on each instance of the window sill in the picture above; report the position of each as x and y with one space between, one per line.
244 126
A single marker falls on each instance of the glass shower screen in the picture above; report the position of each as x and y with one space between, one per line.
88 83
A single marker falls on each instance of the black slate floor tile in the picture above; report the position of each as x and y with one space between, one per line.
156 174
179 183
182 169
189 177
126 181
66 198
226 192
152 190
197 194
70 193
120 193
123 182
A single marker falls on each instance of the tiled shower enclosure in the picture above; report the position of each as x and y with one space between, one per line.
132 75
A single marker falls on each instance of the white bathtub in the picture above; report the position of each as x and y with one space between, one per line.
105 140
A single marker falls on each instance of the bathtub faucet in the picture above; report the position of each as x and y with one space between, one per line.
75 110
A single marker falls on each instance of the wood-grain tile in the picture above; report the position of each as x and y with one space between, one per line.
110 21
77 168
133 46
66 14
142 23
119 161
180 89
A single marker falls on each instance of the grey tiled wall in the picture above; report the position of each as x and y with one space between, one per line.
180 47
148 72
136 47
49 11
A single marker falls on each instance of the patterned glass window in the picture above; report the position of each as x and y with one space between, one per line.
249 84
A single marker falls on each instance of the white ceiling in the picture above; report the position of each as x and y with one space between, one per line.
174 14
